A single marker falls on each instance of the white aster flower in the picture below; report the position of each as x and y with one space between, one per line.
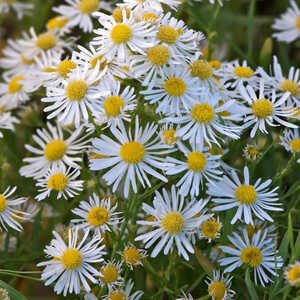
111 274
146 4
174 223
54 149
288 24
128 156
248 199
118 39
264 109
168 135
61 180
291 141
210 229
97 215
7 121
9 215
258 254
219 286
70 262
175 93
78 93
198 165
291 274
125 293
133 256
18 7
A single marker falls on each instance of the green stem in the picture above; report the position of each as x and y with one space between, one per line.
251 26
21 276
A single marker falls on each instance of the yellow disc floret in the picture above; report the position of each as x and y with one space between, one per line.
173 222
117 14
71 259
109 274
3 203
167 34
290 86
121 33
245 194
158 55
251 256
201 69
65 67
98 216
88 6
132 152
216 64
298 23
76 90
14 86
58 182
175 86
217 290
295 145
169 136
294 275
243 72
55 150
203 113
262 108
118 295
56 22
46 41
196 161
131 256
251 230
113 105
210 228
149 17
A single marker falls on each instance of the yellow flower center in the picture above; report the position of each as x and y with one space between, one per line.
132 152
245 194
93 62
55 150
217 290
56 22
121 33
251 256
98 216
65 67
76 90
167 34
46 41
118 14
26 61
290 86
173 222
175 86
58 182
113 105
159 55
262 108
3 203
201 69
294 274
210 228
71 259
131 256
196 161
223 113
215 64
110 274
14 86
298 23
203 113
88 6
251 230
149 17
252 151
169 136
117 296
295 145
243 72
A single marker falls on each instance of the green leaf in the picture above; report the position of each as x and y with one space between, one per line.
250 286
13 294
284 247
291 234
297 248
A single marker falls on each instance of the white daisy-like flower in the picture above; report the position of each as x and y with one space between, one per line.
58 23
18 7
129 156
210 229
118 39
168 134
54 150
206 121
175 92
146 4
61 180
290 140
111 274
13 60
288 24
282 83
97 215
251 151
174 222
198 165
9 215
248 199
7 121
291 274
125 293
262 111
70 262
219 286
133 256
258 254
77 94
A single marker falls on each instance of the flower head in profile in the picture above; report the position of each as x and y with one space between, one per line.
292 274
290 140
